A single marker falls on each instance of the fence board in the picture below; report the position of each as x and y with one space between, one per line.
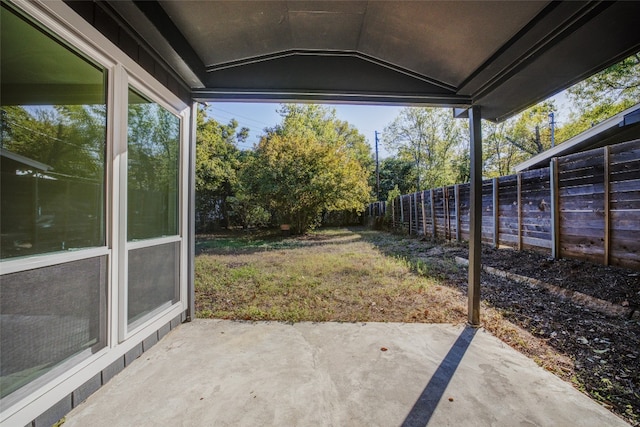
624 186
536 243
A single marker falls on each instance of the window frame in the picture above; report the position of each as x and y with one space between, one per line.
163 99
54 29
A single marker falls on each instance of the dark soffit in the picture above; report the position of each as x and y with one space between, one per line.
504 56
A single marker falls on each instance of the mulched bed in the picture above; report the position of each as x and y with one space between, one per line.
616 285
605 349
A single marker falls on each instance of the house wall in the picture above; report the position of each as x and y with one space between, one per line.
95 230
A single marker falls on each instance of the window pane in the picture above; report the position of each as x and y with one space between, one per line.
153 279
153 166
49 315
52 144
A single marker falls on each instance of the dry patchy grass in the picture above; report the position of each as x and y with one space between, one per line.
330 275
349 276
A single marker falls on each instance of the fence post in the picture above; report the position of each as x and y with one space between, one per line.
496 219
433 216
555 209
607 217
457 207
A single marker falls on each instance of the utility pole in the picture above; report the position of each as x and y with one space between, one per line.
553 129
377 170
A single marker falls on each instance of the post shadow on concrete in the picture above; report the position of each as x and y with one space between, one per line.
425 406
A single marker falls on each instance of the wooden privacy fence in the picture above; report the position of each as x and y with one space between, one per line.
584 206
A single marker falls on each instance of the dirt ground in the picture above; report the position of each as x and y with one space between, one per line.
605 349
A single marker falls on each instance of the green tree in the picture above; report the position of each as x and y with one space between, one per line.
530 131
515 140
397 173
305 167
430 138
602 95
217 163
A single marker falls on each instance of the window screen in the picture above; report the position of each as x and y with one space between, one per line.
153 279
48 315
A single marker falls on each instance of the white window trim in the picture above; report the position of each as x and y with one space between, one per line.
163 99
49 259
146 243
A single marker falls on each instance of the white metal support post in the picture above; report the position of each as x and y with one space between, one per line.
475 215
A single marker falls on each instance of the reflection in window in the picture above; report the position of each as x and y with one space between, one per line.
52 153
153 166
52 144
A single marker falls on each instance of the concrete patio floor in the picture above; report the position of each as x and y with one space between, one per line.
225 373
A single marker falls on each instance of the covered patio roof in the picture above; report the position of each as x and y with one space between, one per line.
502 55
486 59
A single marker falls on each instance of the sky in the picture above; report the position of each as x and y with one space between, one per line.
366 118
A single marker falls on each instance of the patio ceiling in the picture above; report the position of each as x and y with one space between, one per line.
504 56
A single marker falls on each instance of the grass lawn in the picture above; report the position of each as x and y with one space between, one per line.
344 275
329 275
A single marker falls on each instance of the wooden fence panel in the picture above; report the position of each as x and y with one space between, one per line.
536 209
406 207
428 221
487 211
581 189
465 206
624 205
451 212
438 210
508 211
598 210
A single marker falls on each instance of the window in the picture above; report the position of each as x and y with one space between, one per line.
153 150
52 153
153 141
52 144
